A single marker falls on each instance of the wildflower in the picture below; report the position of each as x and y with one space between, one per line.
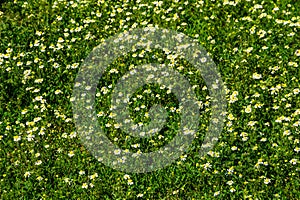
140 195
38 162
296 91
130 182
85 186
216 193
234 148
94 176
27 174
117 151
256 76
71 153
286 132
58 91
17 138
230 182
267 181
126 176
248 50
206 166
81 172
294 161
248 109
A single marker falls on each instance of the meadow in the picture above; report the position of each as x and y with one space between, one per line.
255 46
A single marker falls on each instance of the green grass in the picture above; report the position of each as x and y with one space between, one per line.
255 45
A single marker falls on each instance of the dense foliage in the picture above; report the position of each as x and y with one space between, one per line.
255 45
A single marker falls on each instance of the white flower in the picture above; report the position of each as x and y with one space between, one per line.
60 40
234 148
130 182
230 182
294 161
81 172
296 91
267 181
216 193
71 153
248 50
248 109
38 162
117 151
27 174
85 185
126 176
286 132
58 92
256 76
207 165
17 138
140 195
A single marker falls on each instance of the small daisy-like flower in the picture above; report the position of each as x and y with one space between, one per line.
175 192
248 109
296 91
126 176
267 181
81 172
294 161
232 190
85 186
17 138
230 182
67 180
286 132
140 195
71 153
297 53
60 40
130 182
30 137
206 166
293 64
256 76
38 162
58 92
263 139
234 148
94 176
27 174
19 63
39 33
248 50
117 151
216 193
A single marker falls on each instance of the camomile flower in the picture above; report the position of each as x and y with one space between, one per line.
256 76
267 181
